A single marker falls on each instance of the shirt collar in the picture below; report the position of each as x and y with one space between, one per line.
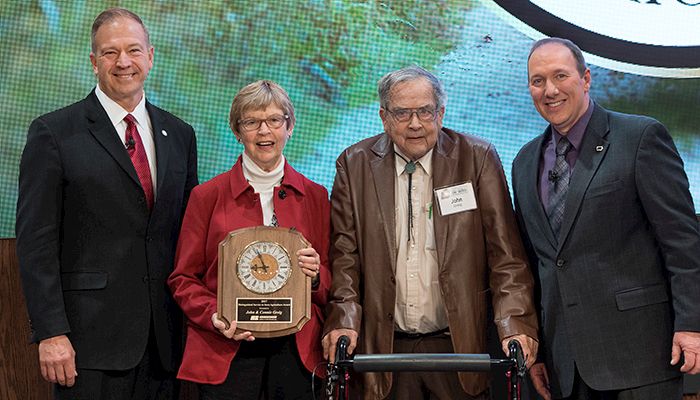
575 135
426 162
253 173
239 184
116 113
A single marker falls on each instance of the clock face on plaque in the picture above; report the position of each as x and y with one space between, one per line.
264 267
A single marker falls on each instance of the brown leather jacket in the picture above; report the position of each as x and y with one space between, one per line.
480 254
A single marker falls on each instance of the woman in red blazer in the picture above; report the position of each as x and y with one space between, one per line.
260 189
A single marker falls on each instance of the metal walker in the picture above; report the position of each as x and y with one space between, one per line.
339 373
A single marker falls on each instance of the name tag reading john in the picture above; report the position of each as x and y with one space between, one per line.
456 198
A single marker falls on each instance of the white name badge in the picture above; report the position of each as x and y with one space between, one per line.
457 198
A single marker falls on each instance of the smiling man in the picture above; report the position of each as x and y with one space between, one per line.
603 204
425 249
102 188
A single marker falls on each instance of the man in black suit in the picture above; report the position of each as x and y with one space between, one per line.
102 189
604 207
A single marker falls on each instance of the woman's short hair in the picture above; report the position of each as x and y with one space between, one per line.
258 96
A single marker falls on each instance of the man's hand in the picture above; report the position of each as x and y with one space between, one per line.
528 344
687 343
540 379
330 341
57 360
231 331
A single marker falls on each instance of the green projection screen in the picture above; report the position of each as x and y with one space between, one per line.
329 55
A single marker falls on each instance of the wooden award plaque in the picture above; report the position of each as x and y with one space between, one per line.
260 284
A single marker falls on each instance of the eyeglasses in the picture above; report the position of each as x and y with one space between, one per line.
405 114
272 122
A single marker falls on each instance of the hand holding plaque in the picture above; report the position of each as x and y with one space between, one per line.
260 285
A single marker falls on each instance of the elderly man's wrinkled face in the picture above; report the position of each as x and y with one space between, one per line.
413 120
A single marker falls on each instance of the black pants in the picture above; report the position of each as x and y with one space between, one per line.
264 369
666 390
147 381
427 385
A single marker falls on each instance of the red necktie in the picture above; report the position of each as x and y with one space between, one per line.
134 146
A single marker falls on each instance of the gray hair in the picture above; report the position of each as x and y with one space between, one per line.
257 96
581 66
413 72
111 14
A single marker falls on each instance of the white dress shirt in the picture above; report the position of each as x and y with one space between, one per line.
116 114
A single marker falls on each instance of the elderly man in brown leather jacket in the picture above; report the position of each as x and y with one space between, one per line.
424 241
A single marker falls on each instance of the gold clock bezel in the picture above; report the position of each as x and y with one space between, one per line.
286 255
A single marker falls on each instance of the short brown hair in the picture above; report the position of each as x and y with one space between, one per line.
257 96
111 14
581 66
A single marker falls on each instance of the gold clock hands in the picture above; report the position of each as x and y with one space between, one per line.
264 266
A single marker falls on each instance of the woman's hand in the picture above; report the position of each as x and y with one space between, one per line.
231 331
310 263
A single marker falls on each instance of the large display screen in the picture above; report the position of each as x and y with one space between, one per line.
329 55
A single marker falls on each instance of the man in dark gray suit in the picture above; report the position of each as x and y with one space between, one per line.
604 208
102 189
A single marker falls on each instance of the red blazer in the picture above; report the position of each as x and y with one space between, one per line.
226 203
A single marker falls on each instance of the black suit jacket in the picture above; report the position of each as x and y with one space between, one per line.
625 271
93 259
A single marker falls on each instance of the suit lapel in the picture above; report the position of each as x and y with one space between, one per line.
593 149
443 175
531 184
383 174
160 140
102 129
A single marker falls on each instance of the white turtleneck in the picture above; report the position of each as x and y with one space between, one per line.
263 183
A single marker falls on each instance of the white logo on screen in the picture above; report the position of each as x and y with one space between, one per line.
655 22
647 37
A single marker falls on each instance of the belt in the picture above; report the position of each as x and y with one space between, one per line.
408 335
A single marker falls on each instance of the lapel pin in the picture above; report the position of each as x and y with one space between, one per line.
164 132
597 148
